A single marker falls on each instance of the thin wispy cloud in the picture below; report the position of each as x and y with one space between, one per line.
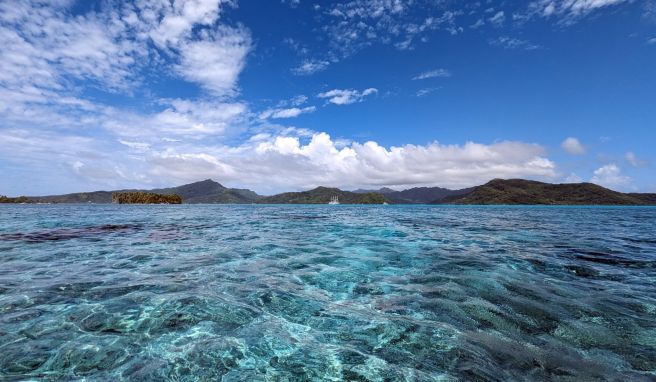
569 11
286 113
425 91
346 96
309 67
435 73
498 19
508 42
633 160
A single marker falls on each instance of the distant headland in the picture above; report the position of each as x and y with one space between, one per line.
497 191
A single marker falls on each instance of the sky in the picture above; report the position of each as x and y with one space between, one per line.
284 95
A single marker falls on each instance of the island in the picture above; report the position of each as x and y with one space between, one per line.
529 192
496 191
145 198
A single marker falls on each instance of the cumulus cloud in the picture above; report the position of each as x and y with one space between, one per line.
346 96
280 160
321 161
573 146
610 175
443 73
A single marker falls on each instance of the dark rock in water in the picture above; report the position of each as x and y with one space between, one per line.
582 271
69 233
89 354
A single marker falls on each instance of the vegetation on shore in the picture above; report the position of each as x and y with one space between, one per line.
20 199
145 198
322 195
520 191
497 191
206 191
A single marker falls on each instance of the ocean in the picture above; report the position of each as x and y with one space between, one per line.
327 293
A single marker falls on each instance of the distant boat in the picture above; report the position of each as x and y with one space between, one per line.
334 200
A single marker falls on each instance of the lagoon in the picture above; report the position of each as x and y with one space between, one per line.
318 292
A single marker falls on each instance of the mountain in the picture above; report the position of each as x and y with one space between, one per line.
322 195
206 191
209 191
422 195
417 195
383 190
520 191
497 191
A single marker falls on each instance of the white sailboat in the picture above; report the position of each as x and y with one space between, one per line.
334 200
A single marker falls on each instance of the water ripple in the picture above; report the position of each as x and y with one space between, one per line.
296 293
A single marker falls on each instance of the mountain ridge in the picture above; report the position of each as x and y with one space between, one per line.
204 191
530 192
496 191
322 195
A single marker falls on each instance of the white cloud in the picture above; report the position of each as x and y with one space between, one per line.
513 43
569 10
298 100
275 161
309 67
479 23
573 146
286 113
352 25
498 19
346 96
425 91
216 61
321 161
651 41
442 73
45 45
633 160
180 118
180 17
610 175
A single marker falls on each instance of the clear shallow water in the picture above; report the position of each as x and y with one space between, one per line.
292 293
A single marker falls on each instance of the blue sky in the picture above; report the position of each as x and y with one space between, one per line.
288 95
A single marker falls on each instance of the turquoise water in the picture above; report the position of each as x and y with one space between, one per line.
294 293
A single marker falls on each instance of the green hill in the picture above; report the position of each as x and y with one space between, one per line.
520 191
206 191
322 195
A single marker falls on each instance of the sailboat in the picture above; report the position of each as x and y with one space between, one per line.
334 200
